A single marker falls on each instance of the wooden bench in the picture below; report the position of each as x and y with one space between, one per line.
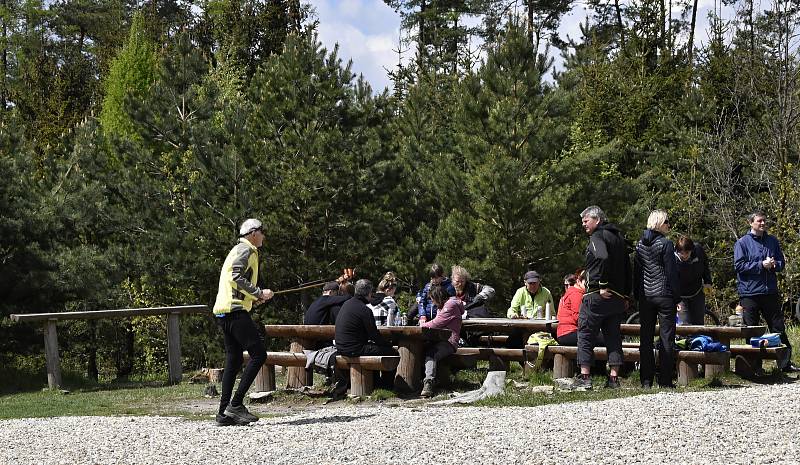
497 340
564 360
454 362
409 339
748 359
361 369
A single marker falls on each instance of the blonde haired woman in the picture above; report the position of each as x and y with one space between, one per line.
657 288
383 305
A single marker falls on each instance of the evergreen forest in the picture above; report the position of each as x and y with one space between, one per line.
135 136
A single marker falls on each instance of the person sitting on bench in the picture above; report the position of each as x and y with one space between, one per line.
568 309
357 335
530 301
448 317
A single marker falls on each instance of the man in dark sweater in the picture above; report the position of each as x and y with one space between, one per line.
323 310
356 335
608 282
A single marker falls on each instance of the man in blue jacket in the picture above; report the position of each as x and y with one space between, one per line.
757 257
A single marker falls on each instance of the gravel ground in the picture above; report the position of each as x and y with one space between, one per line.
752 425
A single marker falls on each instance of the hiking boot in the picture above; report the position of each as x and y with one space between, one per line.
240 414
647 384
427 388
790 368
612 382
222 420
582 383
339 393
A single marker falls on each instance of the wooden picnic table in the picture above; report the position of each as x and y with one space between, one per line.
723 334
409 339
518 329
503 325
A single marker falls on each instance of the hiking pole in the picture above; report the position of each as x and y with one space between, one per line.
347 275
297 289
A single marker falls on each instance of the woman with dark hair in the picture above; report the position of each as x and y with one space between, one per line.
568 309
695 276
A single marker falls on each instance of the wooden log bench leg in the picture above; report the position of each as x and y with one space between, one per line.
362 381
298 376
687 371
265 379
563 367
715 371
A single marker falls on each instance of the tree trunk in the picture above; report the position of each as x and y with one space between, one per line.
690 46
3 84
662 20
530 28
620 26
422 41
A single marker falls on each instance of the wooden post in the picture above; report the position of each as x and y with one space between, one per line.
215 375
297 377
687 371
714 371
563 367
409 371
51 355
361 381
265 379
174 348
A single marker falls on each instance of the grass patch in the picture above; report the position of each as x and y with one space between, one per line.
130 399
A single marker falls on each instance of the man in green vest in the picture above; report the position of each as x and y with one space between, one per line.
238 292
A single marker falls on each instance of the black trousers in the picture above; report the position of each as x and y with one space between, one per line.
571 339
663 310
696 306
768 306
600 315
240 334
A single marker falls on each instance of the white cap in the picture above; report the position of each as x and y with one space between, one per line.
249 226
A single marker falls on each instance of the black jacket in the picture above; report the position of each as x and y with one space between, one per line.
607 262
655 273
321 311
693 272
355 327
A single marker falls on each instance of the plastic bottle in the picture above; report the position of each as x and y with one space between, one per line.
548 312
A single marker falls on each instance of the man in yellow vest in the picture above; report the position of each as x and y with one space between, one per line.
238 291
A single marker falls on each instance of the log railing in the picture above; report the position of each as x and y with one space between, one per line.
51 336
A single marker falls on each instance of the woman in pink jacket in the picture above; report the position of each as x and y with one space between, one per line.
448 317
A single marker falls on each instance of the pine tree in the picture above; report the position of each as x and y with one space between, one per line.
132 72
510 135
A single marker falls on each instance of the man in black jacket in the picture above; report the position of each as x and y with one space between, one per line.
356 333
323 311
608 275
